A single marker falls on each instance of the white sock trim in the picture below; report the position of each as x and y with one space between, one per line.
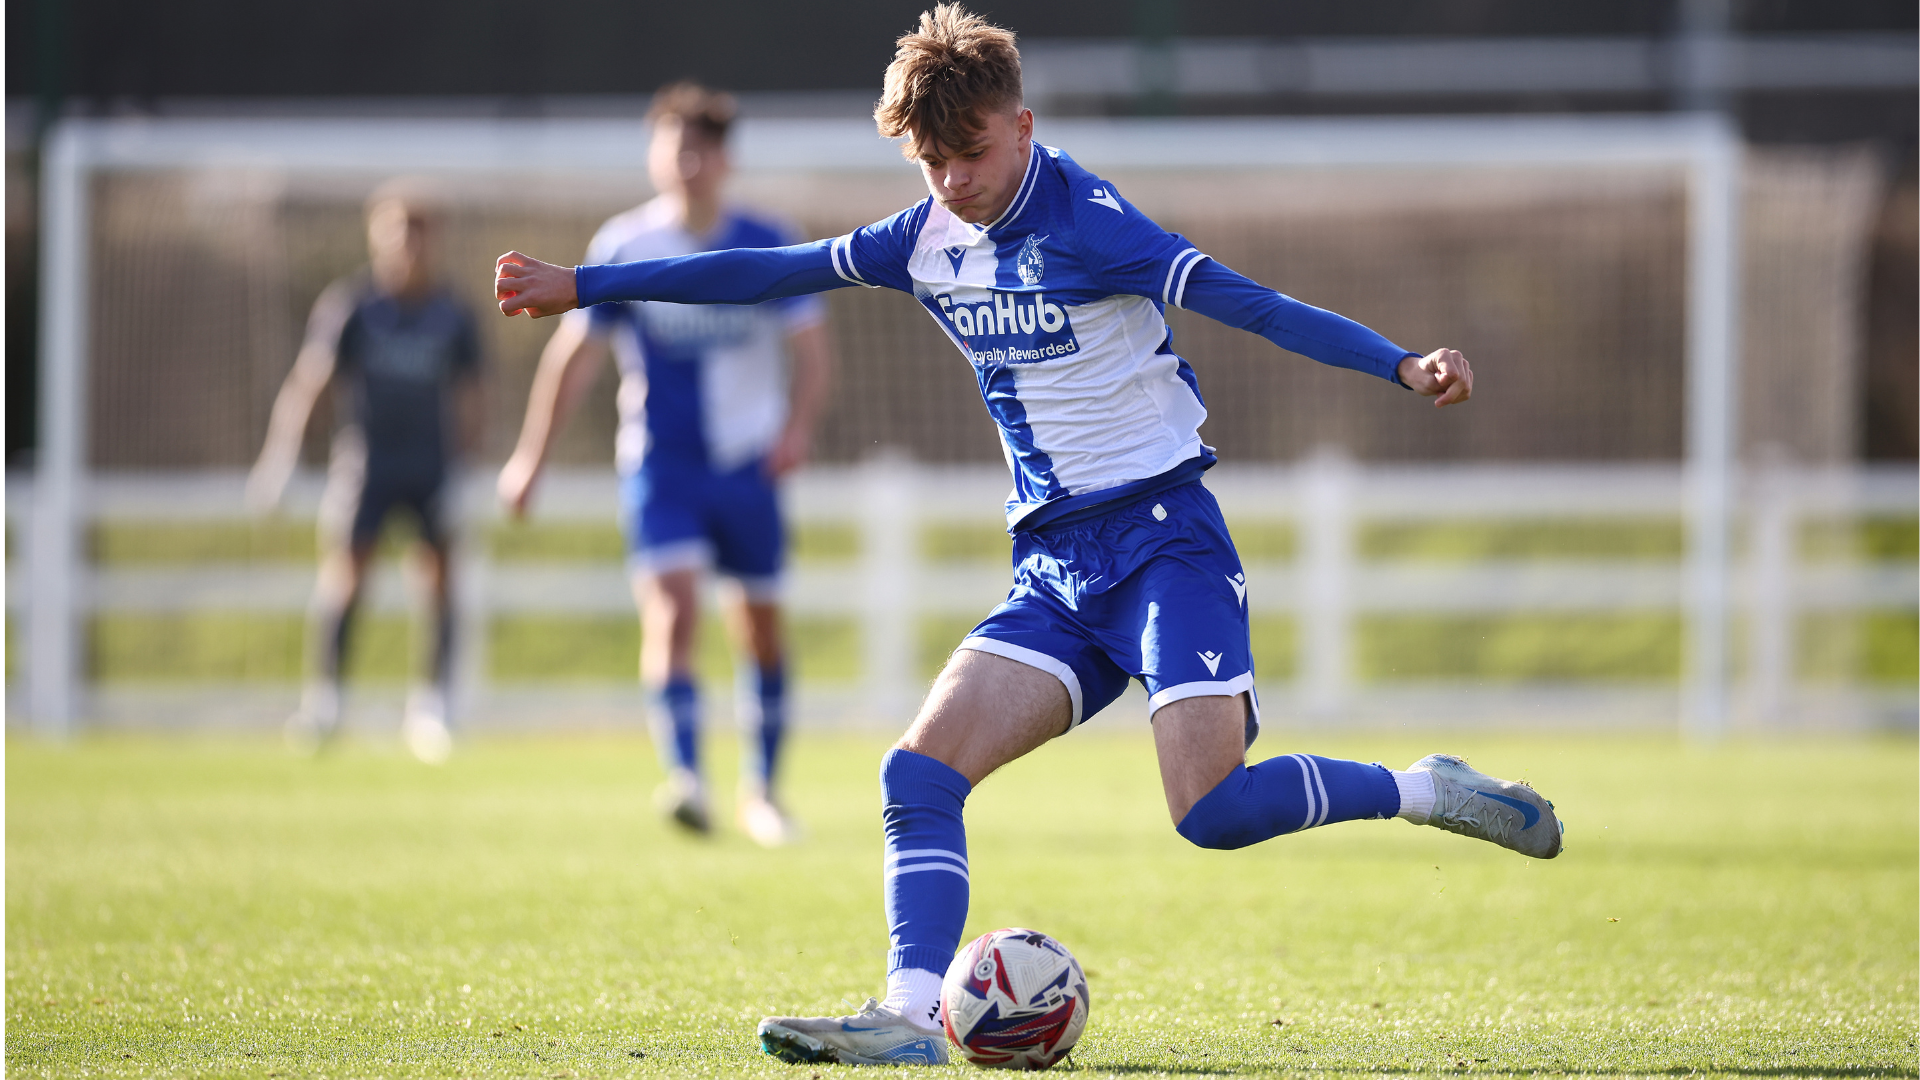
915 994
1416 794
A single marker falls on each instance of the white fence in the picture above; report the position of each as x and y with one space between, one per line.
1326 586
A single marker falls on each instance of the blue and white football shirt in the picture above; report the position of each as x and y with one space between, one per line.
1060 307
700 384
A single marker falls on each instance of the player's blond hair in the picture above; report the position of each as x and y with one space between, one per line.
956 69
700 109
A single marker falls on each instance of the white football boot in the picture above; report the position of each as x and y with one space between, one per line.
765 822
424 726
682 799
316 723
1471 803
876 1035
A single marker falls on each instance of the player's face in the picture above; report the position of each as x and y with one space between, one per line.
685 161
976 182
398 240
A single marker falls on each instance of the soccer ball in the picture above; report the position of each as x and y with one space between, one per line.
1014 999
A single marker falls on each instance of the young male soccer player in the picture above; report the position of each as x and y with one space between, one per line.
709 422
1054 287
404 357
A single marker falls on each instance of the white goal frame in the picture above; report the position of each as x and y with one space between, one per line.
1706 148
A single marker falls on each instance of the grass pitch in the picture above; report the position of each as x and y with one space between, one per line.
216 909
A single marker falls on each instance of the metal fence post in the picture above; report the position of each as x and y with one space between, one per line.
1713 342
1770 614
1325 568
888 531
57 585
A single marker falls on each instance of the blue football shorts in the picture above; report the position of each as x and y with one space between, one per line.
680 516
1151 590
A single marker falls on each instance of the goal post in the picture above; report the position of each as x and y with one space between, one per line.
1706 149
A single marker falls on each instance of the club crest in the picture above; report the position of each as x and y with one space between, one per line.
1030 264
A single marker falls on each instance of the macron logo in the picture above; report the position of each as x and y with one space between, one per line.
1239 583
1104 198
1212 660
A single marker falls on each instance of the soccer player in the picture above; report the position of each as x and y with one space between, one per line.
1054 289
710 419
403 357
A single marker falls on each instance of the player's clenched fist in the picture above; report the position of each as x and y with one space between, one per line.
524 283
1443 373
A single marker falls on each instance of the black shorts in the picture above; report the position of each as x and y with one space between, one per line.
362 490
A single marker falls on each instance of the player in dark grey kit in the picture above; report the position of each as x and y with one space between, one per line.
402 355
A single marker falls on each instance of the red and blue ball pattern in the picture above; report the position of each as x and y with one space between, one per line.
1014 999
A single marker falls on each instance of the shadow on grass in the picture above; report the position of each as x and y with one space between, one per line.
1380 1070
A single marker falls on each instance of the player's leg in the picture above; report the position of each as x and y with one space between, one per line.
425 727
1198 738
669 602
1195 658
749 545
760 696
667 551
351 512
984 711
1217 801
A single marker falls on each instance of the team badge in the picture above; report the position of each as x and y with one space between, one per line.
1029 263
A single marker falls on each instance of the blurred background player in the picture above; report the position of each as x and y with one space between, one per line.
711 416
403 357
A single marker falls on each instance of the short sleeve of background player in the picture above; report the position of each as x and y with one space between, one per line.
1124 250
876 255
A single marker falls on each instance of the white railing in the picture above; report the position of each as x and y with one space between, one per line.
1325 587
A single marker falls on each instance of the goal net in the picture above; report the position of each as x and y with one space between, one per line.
1591 270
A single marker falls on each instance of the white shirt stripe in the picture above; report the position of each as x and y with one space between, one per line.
1166 291
1180 291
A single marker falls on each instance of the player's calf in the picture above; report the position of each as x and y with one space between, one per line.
1301 791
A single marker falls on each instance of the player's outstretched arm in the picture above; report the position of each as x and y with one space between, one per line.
524 283
728 276
1220 294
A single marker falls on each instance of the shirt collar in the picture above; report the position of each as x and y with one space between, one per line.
1020 197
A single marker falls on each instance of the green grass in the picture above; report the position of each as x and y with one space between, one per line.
215 909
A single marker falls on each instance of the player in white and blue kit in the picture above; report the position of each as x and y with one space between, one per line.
1054 288
709 422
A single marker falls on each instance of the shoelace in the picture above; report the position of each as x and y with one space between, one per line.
1496 826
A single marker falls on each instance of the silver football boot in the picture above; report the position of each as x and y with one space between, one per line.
876 1035
1471 803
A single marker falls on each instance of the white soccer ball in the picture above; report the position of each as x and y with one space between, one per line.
1014 999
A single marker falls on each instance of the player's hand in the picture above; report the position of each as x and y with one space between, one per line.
266 484
1443 373
790 452
515 485
524 283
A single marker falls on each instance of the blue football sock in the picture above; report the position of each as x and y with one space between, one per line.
764 714
926 865
676 723
1287 794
